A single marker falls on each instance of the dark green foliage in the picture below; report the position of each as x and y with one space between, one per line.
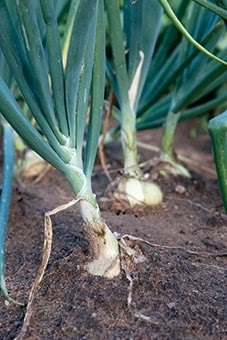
218 132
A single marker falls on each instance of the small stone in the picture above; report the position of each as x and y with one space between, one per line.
180 189
7 303
171 305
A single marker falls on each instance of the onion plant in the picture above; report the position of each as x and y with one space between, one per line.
166 77
127 71
200 77
61 100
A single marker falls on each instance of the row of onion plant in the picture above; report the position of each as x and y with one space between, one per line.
159 76
60 73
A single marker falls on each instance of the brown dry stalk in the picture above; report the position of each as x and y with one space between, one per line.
47 245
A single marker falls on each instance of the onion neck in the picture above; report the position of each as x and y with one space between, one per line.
128 140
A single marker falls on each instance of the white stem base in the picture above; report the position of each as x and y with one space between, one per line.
104 245
107 263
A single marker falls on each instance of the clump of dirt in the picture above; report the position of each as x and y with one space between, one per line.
179 292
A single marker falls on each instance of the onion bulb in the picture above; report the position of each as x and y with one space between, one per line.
138 192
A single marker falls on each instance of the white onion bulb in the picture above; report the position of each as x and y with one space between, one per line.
137 191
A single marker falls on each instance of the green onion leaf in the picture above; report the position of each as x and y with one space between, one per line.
55 63
98 83
8 166
83 24
218 131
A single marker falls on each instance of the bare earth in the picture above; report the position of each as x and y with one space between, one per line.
179 292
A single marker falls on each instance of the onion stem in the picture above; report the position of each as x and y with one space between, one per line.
167 149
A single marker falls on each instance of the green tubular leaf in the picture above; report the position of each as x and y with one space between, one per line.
222 3
12 47
211 85
36 57
97 99
199 28
6 192
117 44
218 131
201 109
194 72
83 23
13 114
112 77
154 112
10 109
196 79
5 71
68 28
196 86
167 40
61 8
151 123
156 115
185 33
161 81
83 94
221 11
171 70
206 28
128 117
55 63
211 77
142 21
